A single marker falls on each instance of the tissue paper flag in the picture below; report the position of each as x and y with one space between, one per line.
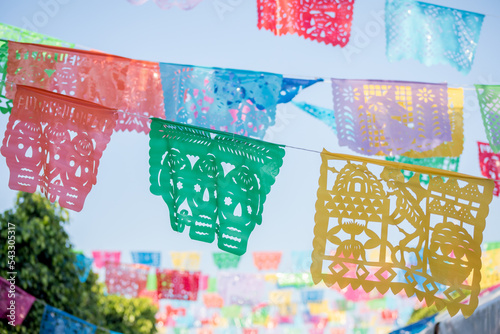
226 260
152 259
455 147
236 101
266 260
22 302
103 257
57 321
489 162
12 33
126 279
363 201
125 84
489 101
445 163
206 175
54 142
431 34
321 20
377 117
291 87
173 284
185 260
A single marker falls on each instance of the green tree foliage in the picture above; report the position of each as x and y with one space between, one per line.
45 269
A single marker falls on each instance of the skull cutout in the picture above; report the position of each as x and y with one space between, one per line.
241 205
203 201
23 150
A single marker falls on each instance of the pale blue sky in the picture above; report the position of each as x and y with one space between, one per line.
120 213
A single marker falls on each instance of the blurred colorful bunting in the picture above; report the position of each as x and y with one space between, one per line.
54 142
167 4
312 296
390 117
205 176
213 300
185 260
126 279
445 163
226 260
15 303
455 147
235 101
417 327
491 245
489 163
301 261
173 284
361 201
280 297
431 34
129 85
83 265
291 87
241 289
490 270
489 101
322 20
325 115
295 280
57 321
266 260
12 33
152 259
103 257
212 284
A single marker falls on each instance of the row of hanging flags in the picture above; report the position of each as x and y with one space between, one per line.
418 30
249 300
213 172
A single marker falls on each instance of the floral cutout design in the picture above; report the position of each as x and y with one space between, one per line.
213 182
489 163
54 143
57 321
126 279
362 201
23 302
390 118
12 33
174 284
431 34
455 147
236 101
489 102
266 260
131 86
322 21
